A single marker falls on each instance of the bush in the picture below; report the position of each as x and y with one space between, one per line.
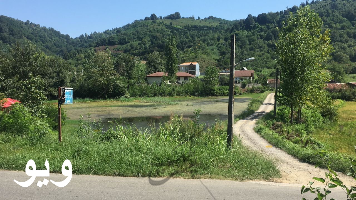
49 113
19 122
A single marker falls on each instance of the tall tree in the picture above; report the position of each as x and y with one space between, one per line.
302 49
171 58
155 63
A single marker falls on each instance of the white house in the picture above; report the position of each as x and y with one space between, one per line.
190 68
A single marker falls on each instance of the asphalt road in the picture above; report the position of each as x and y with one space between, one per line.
106 187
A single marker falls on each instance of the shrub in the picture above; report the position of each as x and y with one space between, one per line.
49 114
19 122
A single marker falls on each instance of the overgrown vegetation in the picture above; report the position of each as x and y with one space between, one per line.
299 140
179 148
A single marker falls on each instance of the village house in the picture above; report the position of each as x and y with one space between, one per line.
240 75
157 77
272 83
190 68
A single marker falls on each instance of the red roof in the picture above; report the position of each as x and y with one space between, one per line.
244 73
157 74
178 74
184 74
189 63
7 102
336 86
273 81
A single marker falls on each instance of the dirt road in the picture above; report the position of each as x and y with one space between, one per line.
292 170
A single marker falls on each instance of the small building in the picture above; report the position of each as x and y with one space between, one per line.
244 75
352 84
336 86
190 68
157 77
272 83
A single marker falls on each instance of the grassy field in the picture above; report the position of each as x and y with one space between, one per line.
179 148
328 144
340 136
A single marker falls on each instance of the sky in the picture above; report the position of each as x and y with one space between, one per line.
74 17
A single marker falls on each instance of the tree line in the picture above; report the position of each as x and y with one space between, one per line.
202 40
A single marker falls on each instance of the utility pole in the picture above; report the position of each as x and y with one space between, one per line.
276 93
59 114
230 123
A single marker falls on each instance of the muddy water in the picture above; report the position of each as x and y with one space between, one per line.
143 114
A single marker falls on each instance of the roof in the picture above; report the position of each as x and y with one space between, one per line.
7 102
244 73
157 74
336 86
189 63
178 74
352 83
273 81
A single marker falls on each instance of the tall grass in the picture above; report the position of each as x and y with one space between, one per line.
179 148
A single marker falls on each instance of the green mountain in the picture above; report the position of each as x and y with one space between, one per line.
203 40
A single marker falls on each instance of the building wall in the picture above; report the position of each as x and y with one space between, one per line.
197 73
151 80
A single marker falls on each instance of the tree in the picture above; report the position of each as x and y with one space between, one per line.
171 58
302 50
211 80
155 63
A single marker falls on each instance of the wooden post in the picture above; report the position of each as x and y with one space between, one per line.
59 114
230 124
276 93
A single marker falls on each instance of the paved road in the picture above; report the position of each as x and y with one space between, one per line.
106 187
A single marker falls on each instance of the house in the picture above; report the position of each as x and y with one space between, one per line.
352 84
157 77
244 74
190 68
272 83
336 86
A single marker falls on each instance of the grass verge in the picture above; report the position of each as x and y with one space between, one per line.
330 144
179 148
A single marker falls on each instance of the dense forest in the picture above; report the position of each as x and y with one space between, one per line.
118 53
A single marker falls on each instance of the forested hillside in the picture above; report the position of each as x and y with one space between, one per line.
114 72
203 40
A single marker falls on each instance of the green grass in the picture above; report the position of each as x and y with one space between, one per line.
254 105
331 144
180 149
340 136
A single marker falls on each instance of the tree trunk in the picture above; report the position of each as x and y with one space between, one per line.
291 114
299 115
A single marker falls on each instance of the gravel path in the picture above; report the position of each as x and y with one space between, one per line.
292 170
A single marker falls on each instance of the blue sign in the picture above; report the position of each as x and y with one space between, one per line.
68 96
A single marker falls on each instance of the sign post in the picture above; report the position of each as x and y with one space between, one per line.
65 96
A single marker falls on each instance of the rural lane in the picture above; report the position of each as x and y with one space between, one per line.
292 170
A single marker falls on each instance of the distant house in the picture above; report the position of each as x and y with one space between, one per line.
352 84
244 74
157 77
336 86
190 68
272 83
